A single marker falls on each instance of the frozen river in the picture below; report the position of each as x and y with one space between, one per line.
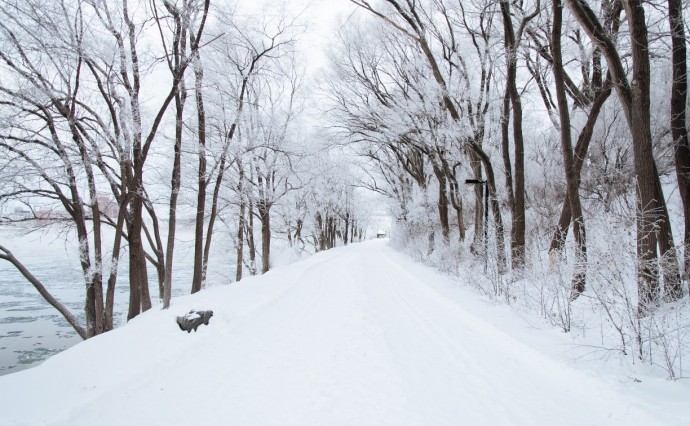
30 329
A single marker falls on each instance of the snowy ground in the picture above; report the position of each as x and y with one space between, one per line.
354 336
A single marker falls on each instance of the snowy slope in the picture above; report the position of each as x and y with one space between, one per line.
353 336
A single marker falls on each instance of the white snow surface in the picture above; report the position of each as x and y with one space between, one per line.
358 335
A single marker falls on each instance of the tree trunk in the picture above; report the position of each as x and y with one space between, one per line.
240 240
265 216
478 209
298 231
198 278
97 280
212 216
156 245
644 159
251 246
679 131
517 232
176 67
571 173
94 275
139 299
442 204
505 149
347 228
114 260
581 149
332 232
456 198
175 183
322 232
673 286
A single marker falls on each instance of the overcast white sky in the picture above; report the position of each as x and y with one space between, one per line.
324 17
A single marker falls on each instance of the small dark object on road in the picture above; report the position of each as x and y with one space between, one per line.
193 319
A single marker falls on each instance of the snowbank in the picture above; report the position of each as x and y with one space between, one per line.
357 335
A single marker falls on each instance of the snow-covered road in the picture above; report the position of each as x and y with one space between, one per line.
354 336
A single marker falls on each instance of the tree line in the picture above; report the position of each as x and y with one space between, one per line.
432 93
122 121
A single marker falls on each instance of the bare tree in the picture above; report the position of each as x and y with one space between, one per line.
270 152
679 131
571 173
651 205
252 52
512 43
49 121
184 25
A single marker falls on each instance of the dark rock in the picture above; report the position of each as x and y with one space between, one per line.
193 319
